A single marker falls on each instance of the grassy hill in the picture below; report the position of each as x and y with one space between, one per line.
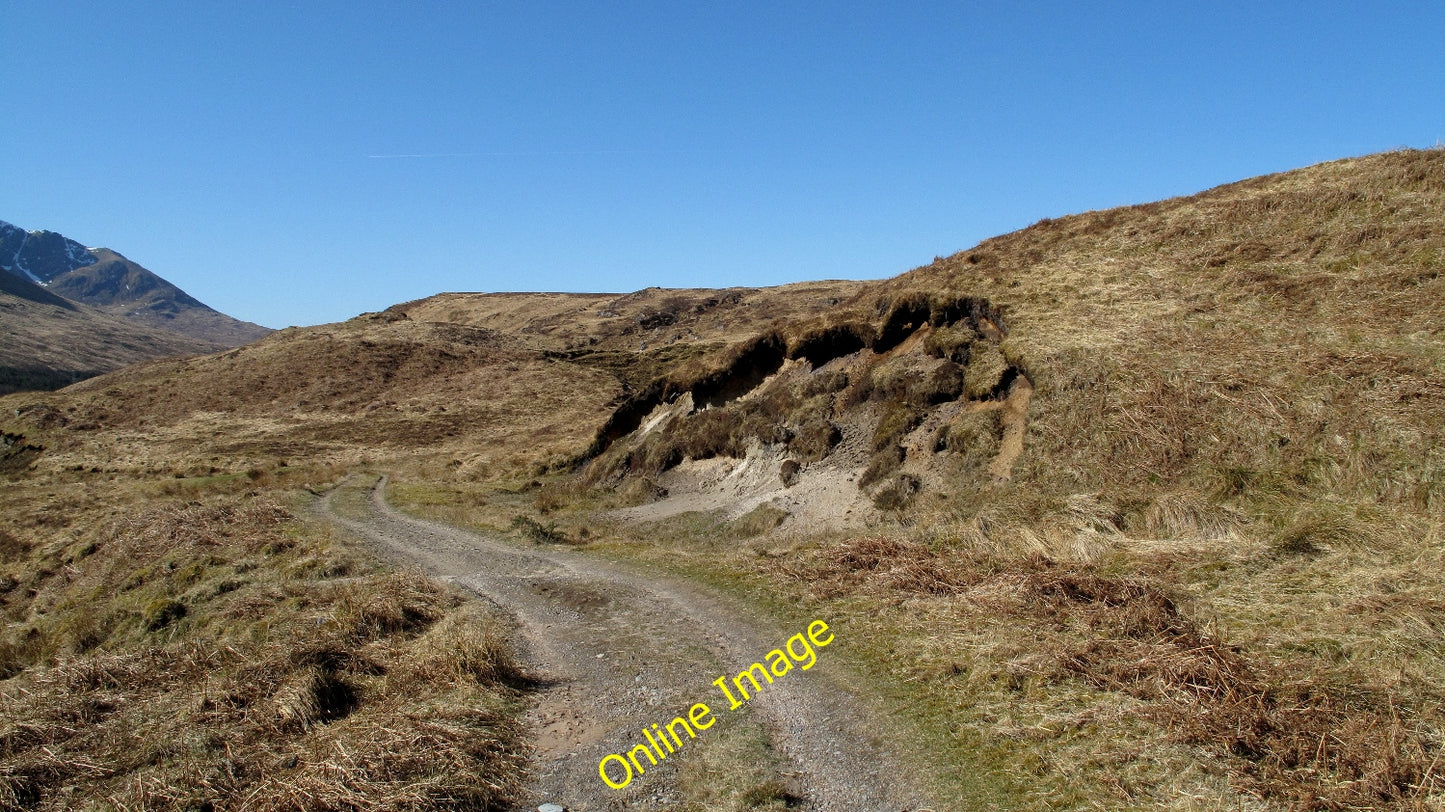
51 341
1140 508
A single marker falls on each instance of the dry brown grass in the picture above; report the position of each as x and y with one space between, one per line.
654 317
416 395
51 342
1305 733
1153 363
1232 456
1212 580
1295 736
217 654
879 563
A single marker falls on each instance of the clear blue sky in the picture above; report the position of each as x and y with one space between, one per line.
237 148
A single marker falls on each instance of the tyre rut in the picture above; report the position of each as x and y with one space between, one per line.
618 649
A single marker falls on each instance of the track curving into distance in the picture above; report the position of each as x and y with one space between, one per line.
621 649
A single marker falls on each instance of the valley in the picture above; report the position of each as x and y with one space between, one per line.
1130 509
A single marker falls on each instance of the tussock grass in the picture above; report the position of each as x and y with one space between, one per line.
220 654
877 563
540 533
1305 726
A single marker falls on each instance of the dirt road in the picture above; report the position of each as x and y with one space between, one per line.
623 649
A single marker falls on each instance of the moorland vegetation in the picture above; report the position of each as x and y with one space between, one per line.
1136 508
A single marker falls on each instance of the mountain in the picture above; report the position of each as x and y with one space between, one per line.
73 312
40 256
113 284
19 288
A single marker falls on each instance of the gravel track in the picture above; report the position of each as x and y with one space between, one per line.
620 649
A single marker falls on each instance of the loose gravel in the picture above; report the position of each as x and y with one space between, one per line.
618 649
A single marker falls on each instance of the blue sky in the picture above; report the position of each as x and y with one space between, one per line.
250 153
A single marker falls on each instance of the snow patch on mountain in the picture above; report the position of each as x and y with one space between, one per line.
20 249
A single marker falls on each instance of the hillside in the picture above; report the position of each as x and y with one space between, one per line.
115 285
1134 327
128 313
1128 509
51 341
652 317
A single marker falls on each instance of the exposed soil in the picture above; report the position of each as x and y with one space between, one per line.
823 495
1015 410
618 650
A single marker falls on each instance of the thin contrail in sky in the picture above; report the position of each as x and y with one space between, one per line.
526 153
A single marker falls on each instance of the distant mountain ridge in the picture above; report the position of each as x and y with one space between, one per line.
40 256
104 279
72 311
